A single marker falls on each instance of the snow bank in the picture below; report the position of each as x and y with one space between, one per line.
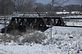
63 30
68 39
60 40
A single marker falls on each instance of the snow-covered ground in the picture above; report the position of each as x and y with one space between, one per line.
60 40
73 23
35 49
1 26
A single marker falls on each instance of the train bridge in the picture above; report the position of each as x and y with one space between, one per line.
36 23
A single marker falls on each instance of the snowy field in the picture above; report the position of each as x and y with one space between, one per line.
60 40
74 23
35 49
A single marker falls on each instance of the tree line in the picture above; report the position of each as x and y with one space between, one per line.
7 7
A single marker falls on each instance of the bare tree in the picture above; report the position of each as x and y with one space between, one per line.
6 7
23 5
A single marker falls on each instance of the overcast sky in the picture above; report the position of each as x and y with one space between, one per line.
66 3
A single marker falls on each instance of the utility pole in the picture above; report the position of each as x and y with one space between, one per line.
52 3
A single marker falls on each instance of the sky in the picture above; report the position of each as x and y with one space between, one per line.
43 1
66 3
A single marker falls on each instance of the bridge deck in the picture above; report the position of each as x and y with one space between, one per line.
36 23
